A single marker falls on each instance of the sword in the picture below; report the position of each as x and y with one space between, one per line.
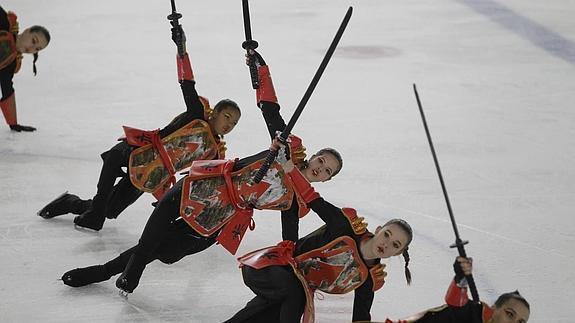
285 133
249 43
173 18
459 244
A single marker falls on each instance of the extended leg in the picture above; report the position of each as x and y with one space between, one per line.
114 160
157 229
279 295
123 195
63 204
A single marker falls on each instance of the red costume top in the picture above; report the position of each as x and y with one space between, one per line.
328 260
219 194
10 61
188 137
457 309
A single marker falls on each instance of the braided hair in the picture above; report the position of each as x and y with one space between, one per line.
46 33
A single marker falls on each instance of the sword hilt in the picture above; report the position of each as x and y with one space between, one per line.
272 154
247 45
173 18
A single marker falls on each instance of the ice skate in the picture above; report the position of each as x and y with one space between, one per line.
63 204
90 220
130 278
85 276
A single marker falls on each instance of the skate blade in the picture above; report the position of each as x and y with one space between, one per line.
85 229
123 293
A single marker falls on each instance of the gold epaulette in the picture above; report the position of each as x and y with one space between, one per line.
358 225
222 149
207 109
297 150
378 275
13 22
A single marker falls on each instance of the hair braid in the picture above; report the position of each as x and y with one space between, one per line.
34 64
407 271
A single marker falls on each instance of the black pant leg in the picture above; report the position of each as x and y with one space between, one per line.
257 310
183 241
279 295
123 195
159 225
113 161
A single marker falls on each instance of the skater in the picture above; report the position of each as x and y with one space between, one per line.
12 45
215 202
196 133
508 308
337 258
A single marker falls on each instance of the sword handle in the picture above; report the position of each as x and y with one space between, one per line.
272 154
247 45
459 244
250 44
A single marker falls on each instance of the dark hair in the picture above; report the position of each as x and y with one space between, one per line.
503 298
42 30
334 153
227 103
407 229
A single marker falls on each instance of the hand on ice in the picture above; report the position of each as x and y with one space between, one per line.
18 128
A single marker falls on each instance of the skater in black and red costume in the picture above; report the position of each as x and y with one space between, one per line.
12 45
152 157
339 257
508 308
215 203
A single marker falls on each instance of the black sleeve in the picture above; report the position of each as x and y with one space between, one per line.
470 312
290 222
193 104
362 301
272 116
6 75
329 213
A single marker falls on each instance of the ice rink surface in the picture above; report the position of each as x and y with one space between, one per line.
497 80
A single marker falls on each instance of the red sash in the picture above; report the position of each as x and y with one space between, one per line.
152 166
139 138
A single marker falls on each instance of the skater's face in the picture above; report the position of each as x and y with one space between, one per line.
30 42
321 167
224 121
512 311
388 241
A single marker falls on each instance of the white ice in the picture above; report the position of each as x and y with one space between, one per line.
497 83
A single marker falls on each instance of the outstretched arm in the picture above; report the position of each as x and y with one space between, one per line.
362 302
290 222
186 76
266 98
457 292
8 101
